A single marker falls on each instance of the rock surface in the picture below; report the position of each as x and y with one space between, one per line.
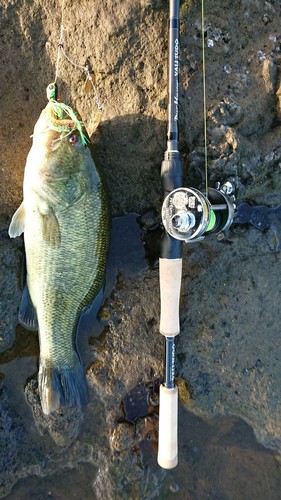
228 352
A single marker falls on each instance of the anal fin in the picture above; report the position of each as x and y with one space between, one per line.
89 315
27 312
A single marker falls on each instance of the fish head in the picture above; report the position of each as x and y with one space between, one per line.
59 141
43 135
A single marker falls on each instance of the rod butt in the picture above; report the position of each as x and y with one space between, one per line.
168 428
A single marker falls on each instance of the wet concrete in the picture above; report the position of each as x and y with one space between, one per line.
110 447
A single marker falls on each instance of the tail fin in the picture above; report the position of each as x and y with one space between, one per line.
62 386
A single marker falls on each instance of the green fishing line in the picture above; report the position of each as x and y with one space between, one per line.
212 222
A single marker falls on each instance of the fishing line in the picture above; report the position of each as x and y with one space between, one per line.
204 99
85 69
60 42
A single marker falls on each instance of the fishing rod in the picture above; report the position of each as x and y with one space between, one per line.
188 216
170 261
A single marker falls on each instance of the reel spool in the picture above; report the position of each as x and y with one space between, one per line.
188 215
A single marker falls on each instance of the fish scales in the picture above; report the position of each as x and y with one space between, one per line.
58 294
65 218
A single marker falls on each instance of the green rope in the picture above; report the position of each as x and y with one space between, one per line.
63 111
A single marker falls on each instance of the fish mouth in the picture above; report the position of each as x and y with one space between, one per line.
47 138
50 129
56 122
60 124
63 119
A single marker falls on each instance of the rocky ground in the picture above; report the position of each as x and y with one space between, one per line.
228 352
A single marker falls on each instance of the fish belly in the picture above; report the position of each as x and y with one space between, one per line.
62 280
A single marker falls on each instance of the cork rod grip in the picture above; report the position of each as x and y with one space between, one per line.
170 271
168 428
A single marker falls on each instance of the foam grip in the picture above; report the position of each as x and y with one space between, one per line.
168 428
170 285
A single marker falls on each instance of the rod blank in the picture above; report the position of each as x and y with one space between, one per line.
173 88
169 362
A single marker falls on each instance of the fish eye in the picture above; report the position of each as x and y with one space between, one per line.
73 139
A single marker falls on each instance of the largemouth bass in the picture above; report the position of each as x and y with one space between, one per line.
65 219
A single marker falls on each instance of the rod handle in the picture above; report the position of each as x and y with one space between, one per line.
170 271
168 428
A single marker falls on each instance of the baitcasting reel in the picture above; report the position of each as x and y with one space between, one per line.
189 215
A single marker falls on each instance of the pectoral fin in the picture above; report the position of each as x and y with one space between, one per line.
18 222
51 229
